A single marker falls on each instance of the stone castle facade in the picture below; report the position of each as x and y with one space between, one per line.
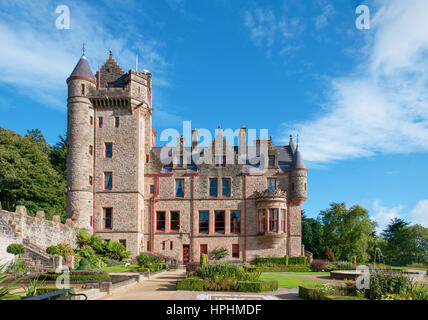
121 186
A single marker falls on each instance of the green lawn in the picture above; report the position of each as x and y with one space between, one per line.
301 273
120 268
289 281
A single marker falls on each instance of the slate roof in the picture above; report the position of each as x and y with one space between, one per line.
285 159
298 162
83 70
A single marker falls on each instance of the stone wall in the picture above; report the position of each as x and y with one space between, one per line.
15 227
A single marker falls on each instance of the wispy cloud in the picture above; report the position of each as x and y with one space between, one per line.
321 21
266 27
383 106
383 215
36 58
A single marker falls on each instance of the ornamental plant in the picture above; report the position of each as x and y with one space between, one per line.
220 253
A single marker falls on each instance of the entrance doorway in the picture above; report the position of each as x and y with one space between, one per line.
186 254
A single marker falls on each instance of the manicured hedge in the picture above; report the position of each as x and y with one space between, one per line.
311 292
191 283
295 268
47 289
344 298
257 286
74 277
281 260
143 269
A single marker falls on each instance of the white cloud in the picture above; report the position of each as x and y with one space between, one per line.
321 21
36 58
383 215
265 27
419 214
383 106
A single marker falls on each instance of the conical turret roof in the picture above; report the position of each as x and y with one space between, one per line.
298 162
83 71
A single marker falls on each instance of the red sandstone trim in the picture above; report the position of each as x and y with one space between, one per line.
245 218
83 78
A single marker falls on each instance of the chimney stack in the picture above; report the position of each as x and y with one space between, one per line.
242 147
194 138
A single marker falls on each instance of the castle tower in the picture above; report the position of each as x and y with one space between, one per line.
298 179
80 140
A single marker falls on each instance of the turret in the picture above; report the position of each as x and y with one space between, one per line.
80 141
298 179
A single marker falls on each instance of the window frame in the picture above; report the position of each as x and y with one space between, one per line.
267 182
100 122
171 221
105 174
207 221
261 221
230 187
160 220
105 150
180 162
284 220
107 219
235 250
212 188
152 189
117 122
231 226
176 189
274 221
215 221
269 160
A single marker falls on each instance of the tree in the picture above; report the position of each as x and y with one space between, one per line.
347 231
312 236
26 174
405 244
58 157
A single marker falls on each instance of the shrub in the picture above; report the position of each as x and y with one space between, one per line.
313 292
204 258
15 249
191 283
297 260
271 260
329 254
282 268
52 250
116 250
64 250
84 265
47 289
143 260
257 286
286 260
354 259
318 265
382 283
220 253
192 266
345 265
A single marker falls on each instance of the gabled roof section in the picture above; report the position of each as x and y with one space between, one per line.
111 73
83 71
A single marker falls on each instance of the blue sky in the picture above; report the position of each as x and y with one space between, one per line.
357 98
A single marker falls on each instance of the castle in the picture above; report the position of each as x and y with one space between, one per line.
120 187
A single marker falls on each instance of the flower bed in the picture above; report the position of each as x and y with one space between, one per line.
75 276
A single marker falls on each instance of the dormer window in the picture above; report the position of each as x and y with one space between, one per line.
271 161
180 161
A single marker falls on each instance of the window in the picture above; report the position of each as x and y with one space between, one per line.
271 184
123 241
163 245
148 245
171 245
219 222
109 150
152 188
83 89
147 158
273 220
204 248
108 180
160 221
220 161
179 188
180 161
108 218
235 250
91 120
90 180
271 161
226 187
235 221
292 187
283 214
175 221
213 188
100 122
204 222
116 122
262 221
91 150
90 221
